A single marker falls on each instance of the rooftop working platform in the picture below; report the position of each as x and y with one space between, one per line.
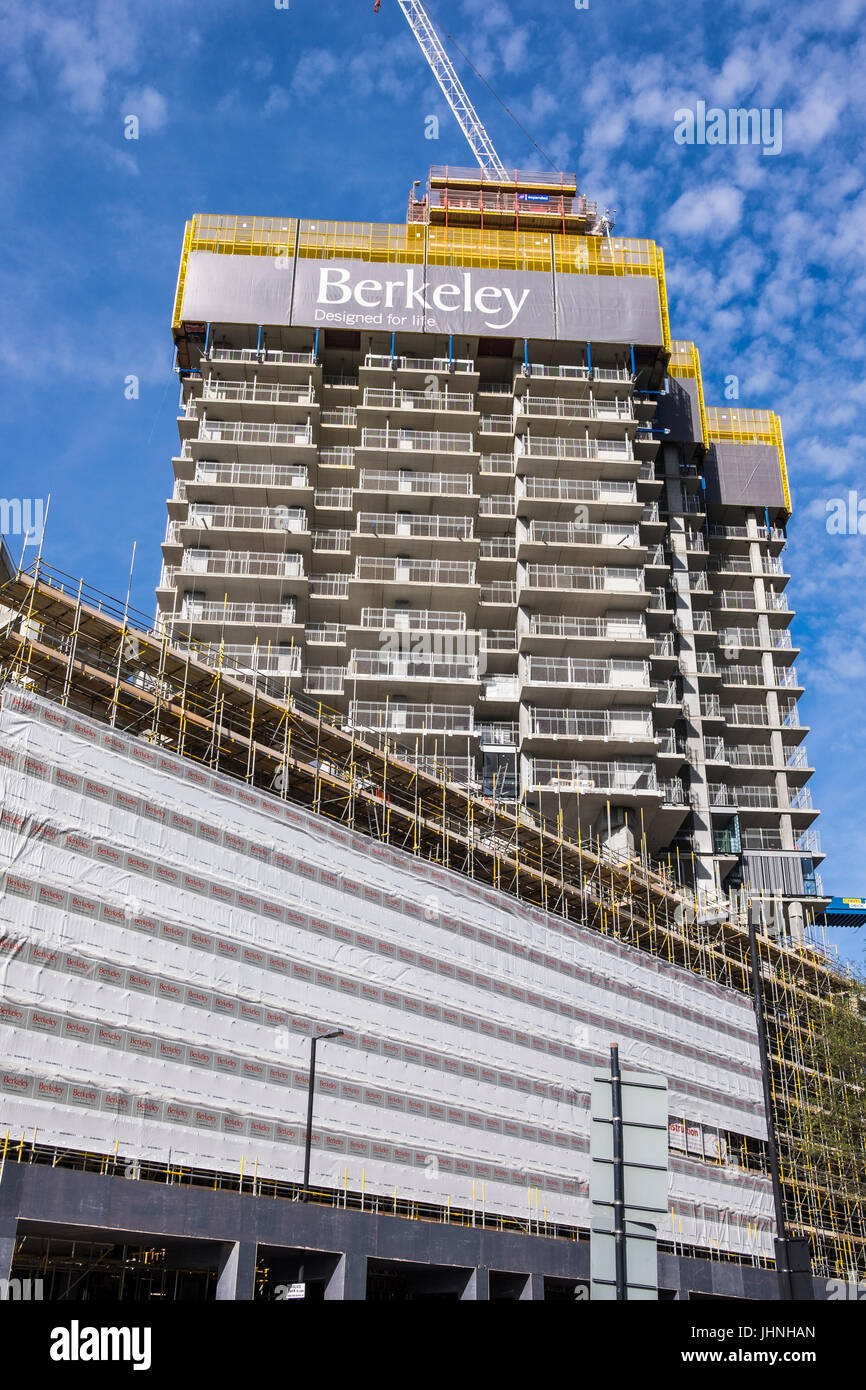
475 197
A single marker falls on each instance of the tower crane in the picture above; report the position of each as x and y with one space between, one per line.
452 88
467 117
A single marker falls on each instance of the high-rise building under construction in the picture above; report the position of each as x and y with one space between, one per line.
454 480
465 744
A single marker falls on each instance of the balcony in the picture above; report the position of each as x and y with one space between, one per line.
746 716
324 680
329 586
548 774
498 593
577 671
496 506
404 526
300 359
337 499
395 399
412 620
419 484
395 716
325 634
546 447
395 666
340 417
332 541
216 389
268 659
496 465
416 441
376 361
624 726
497 548
451 572
570 533
563 408
537 488
498 735
203 517
570 578
275 475
266 436
224 614
613 628
241 563
341 457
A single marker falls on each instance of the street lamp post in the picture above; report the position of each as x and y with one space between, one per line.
323 1037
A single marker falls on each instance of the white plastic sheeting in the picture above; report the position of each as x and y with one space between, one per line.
171 937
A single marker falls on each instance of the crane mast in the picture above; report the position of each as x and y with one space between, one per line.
452 88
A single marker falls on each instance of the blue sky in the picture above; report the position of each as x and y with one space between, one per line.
319 110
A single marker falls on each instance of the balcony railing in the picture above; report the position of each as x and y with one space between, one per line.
329 586
439 527
220 354
235 432
543 625
343 457
252 474
414 571
578 490
381 665
399 717
253 614
344 416
543 670
420 364
420 441
592 776
242 562
333 540
396 399
412 620
575 577
560 407
544 446
570 533
499 735
602 724
201 517
497 548
215 389
746 715
432 484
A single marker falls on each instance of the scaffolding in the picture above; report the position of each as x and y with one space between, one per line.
93 654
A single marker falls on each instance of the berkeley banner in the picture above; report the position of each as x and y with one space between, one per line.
462 300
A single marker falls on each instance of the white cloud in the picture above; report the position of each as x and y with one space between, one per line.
149 106
714 210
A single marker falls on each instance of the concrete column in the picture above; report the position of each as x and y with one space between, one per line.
349 1279
534 1287
477 1285
236 1278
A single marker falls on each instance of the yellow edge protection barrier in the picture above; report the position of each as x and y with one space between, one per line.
752 427
404 243
176 320
663 298
685 361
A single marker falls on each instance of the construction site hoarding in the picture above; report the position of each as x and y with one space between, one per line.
171 938
392 297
